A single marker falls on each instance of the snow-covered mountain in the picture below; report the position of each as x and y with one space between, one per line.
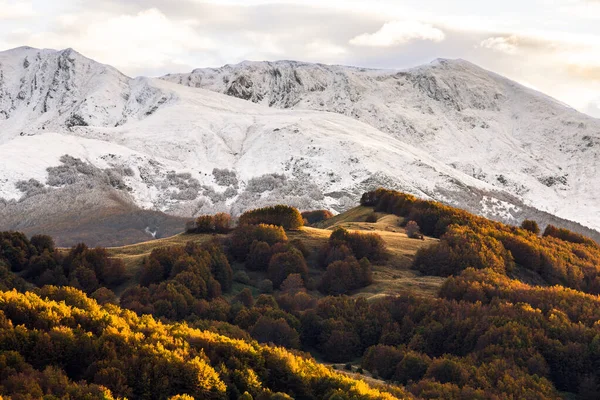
47 90
82 144
477 122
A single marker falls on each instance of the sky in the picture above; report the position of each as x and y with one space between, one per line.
549 45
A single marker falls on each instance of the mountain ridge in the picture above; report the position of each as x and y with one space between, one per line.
451 114
185 151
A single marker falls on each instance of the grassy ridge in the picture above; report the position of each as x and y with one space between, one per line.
392 276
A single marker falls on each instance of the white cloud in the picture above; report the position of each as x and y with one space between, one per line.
506 45
147 39
575 54
11 9
399 32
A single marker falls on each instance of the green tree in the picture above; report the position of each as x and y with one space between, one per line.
284 264
531 226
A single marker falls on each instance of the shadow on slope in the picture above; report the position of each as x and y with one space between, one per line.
98 216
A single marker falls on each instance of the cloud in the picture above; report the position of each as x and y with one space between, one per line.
565 65
153 40
587 72
11 9
531 42
508 45
546 40
147 39
399 32
575 54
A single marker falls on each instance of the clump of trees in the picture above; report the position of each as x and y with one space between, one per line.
288 218
531 226
432 217
316 216
286 262
460 248
572 263
362 245
175 280
88 269
218 223
413 230
276 331
9 280
266 248
39 262
241 241
258 256
16 250
340 258
558 257
43 243
396 363
371 218
344 276
568 236
20 380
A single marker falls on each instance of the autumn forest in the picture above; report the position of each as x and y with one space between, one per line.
399 298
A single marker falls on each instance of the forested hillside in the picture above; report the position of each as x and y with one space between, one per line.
406 298
58 341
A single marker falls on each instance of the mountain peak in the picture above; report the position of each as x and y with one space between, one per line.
26 50
20 48
46 89
456 64
69 51
450 61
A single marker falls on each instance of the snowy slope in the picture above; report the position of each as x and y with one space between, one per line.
479 123
47 90
79 137
325 159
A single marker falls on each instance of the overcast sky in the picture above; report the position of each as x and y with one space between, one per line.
550 45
